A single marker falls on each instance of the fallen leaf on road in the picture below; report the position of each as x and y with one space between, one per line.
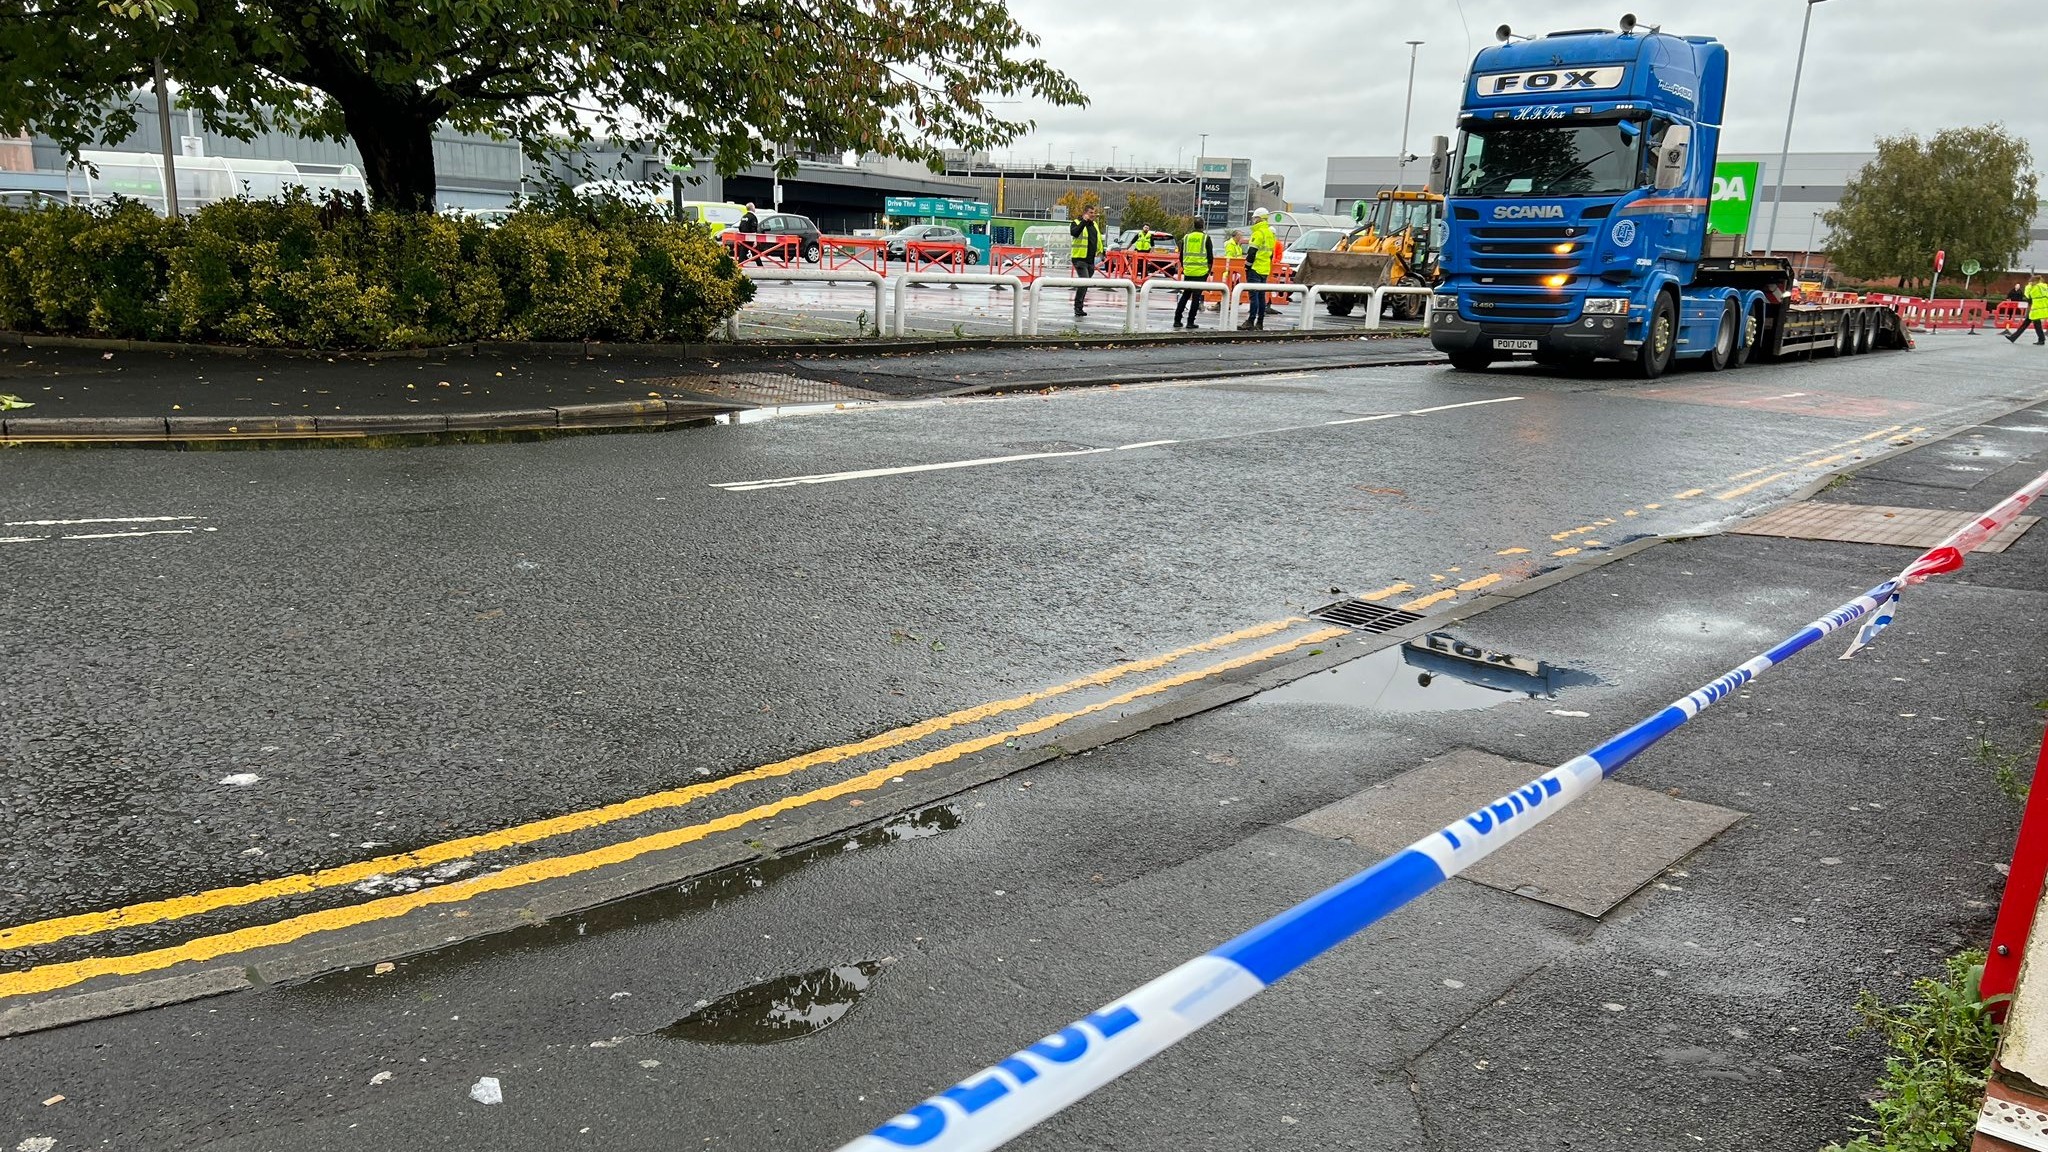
379 1078
57 1099
386 966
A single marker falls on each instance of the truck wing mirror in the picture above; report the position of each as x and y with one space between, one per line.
1671 158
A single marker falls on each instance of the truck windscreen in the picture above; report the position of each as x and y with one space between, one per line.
1522 159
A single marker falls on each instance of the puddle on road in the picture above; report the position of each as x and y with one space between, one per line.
674 901
1415 677
785 1008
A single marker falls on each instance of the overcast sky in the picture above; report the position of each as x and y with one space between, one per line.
1289 84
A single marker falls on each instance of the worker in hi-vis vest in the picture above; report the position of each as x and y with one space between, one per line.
1258 265
1194 265
1085 251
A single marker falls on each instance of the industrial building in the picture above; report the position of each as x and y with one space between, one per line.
1221 189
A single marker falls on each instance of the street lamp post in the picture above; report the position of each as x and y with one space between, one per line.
1402 168
1785 150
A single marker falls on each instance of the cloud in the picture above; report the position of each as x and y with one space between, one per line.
1292 84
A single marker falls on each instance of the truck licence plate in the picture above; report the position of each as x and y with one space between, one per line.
1503 344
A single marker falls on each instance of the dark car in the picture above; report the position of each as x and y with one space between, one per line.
929 234
789 224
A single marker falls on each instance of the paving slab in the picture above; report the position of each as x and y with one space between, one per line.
1588 858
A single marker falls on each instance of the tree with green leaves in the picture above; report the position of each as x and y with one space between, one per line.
1144 210
708 79
1077 201
1971 192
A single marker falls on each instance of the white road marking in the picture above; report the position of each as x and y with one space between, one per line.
148 532
909 469
21 539
97 520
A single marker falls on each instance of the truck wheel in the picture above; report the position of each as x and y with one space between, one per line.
1727 340
1660 341
1866 332
1471 359
1845 335
1339 305
1752 332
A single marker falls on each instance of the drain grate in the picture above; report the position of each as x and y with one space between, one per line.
767 388
1365 617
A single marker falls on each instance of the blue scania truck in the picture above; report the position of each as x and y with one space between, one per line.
1576 222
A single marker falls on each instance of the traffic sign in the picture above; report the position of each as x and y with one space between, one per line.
1940 258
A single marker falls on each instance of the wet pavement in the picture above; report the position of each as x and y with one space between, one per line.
403 648
79 382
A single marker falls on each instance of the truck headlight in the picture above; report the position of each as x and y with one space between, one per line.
1444 303
1606 306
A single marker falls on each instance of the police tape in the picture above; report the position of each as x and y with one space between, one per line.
1947 556
987 1109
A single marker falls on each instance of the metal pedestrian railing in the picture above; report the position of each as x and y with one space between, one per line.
1014 283
1112 284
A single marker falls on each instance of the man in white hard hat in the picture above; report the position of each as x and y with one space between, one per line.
1258 265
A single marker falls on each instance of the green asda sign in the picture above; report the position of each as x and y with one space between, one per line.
1735 189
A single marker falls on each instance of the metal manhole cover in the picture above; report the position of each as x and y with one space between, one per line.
1364 616
766 388
1875 524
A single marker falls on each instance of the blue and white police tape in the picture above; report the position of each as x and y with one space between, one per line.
1947 556
987 1109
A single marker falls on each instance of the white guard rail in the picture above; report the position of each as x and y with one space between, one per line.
1376 295
815 276
1015 284
1145 293
1129 290
1238 294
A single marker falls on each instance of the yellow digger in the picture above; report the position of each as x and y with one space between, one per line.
1395 245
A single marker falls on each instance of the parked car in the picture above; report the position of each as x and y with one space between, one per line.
809 239
716 215
1311 240
1161 241
929 234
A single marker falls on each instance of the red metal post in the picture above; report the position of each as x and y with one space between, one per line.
2022 890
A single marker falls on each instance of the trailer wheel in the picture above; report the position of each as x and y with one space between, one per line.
1866 332
1472 359
1660 341
1727 340
1339 305
1752 332
1845 335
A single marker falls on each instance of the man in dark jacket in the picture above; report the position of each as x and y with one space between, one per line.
748 226
1086 249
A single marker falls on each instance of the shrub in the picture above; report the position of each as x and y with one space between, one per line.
1940 1046
336 275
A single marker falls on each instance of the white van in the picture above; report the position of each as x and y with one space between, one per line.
651 193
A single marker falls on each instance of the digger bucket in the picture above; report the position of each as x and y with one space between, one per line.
1368 269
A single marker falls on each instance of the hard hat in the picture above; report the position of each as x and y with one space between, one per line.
1261 212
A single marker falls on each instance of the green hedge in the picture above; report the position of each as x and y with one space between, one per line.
296 273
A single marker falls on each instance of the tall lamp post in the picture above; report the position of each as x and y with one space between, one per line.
1402 170
1785 150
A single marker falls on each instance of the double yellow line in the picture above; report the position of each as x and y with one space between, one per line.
51 977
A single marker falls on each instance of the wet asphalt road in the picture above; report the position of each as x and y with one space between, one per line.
405 646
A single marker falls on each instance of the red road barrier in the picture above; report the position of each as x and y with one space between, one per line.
2023 884
934 256
1027 264
2010 314
871 253
761 248
1138 267
1938 315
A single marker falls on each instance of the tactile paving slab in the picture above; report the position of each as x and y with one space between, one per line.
1875 524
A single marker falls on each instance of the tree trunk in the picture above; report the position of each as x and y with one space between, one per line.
396 140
